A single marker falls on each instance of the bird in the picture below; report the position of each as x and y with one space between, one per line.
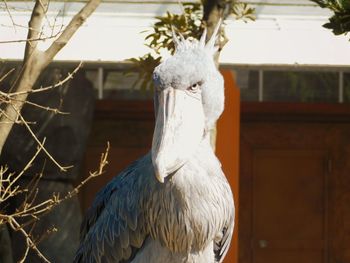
173 205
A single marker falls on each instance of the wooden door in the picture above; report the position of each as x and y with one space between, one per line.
294 183
289 205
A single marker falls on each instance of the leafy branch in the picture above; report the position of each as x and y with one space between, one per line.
339 23
190 24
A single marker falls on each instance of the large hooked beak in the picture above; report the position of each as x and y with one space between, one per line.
179 130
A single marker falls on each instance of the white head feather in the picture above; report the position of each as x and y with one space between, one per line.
193 62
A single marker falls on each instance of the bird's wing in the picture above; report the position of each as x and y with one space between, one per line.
222 242
221 246
114 228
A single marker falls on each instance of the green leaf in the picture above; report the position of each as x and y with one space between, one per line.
160 37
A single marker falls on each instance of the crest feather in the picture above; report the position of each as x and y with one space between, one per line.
184 44
203 38
175 39
211 43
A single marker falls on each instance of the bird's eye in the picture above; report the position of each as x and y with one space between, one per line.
195 87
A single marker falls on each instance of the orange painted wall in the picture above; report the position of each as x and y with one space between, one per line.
227 149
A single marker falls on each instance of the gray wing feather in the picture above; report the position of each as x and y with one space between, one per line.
114 228
222 245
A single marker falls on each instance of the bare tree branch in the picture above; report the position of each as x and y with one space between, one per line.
40 38
35 22
42 89
35 60
29 212
4 195
6 74
10 15
98 172
62 168
72 27
11 100
11 96
53 110
17 227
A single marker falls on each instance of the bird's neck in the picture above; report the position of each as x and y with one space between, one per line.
209 139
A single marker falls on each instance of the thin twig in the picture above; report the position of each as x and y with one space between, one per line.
103 163
62 168
60 83
10 15
46 206
46 108
12 121
2 112
6 74
17 227
28 165
39 38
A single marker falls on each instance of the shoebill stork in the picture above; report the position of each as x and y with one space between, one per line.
174 205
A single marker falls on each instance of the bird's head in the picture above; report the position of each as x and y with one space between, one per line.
189 98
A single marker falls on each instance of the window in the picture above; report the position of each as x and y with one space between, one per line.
346 83
118 84
248 82
294 86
